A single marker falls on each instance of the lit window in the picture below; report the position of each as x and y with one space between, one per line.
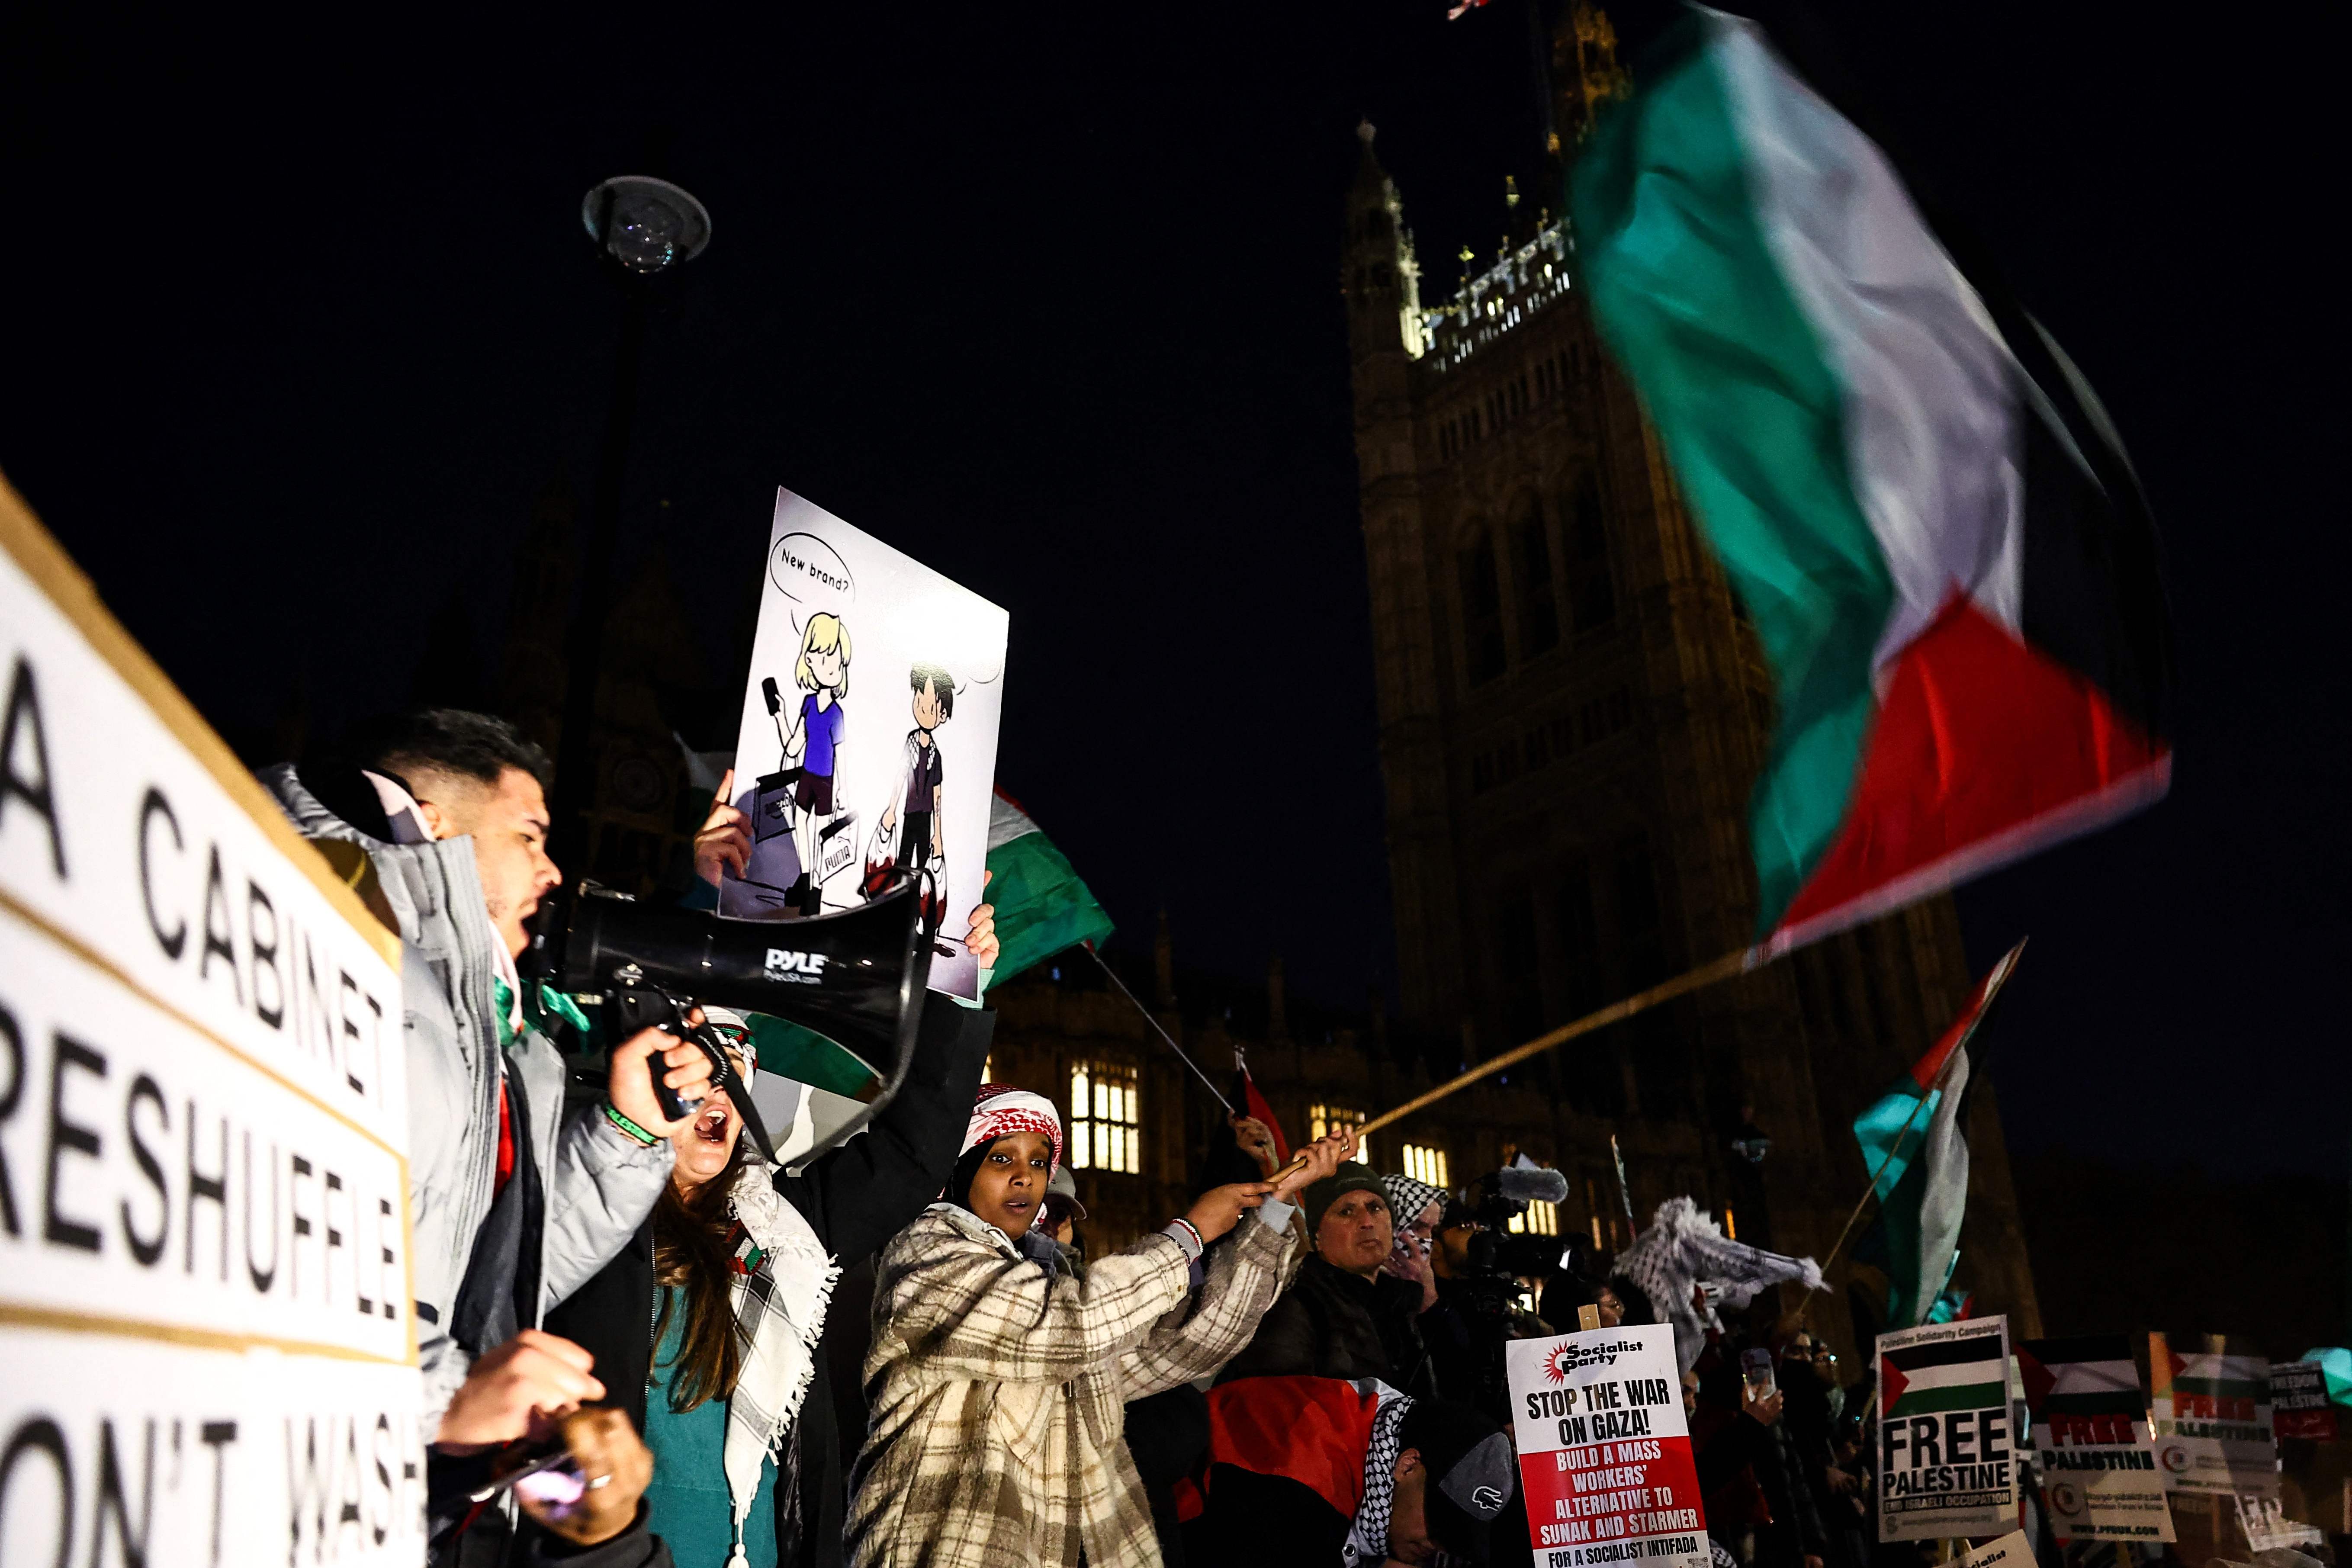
1106 1129
1541 1219
988 1069
1425 1164
1730 1225
1324 1119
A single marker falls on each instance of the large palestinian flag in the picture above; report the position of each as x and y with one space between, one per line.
1919 501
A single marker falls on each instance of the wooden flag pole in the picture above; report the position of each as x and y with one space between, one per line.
1723 968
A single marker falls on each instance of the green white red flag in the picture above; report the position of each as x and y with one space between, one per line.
1920 502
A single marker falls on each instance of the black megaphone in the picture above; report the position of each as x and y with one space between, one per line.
856 977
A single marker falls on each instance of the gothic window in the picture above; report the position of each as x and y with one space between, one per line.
1592 593
1482 610
1531 565
1106 1131
1426 1162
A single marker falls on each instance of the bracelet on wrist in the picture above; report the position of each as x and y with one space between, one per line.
638 1134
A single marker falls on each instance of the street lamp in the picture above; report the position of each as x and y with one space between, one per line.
645 227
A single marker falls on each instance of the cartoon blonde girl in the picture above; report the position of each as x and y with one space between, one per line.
813 738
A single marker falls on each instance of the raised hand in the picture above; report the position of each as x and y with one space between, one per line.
1219 1209
1316 1161
724 843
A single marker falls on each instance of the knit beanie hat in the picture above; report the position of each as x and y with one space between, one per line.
1350 1177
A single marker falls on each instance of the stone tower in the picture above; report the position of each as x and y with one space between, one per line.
1572 710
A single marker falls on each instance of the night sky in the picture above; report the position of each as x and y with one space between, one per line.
302 318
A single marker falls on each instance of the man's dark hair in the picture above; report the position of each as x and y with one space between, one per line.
941 683
477 746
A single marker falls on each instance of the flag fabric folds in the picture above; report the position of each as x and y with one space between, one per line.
1919 502
1915 1142
1041 907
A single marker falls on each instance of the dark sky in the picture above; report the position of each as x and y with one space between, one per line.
302 318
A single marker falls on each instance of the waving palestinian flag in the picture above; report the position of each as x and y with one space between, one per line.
1041 906
1919 502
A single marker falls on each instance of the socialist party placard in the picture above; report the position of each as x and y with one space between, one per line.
1605 1452
1946 1459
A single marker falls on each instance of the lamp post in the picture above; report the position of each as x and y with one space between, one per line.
644 227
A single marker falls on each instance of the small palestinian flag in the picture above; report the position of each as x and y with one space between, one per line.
1970 1374
1914 1143
1919 501
1041 907
2089 1377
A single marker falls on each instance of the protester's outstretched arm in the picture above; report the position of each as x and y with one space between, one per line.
963 1308
1243 1278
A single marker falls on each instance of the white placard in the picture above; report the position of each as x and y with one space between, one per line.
845 747
204 1279
1605 1460
124 1450
1947 1458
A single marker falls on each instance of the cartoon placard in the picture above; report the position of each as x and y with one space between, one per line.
868 744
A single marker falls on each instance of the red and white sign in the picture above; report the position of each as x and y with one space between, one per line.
1605 1452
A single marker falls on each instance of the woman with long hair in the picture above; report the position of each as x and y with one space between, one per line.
715 1317
741 1287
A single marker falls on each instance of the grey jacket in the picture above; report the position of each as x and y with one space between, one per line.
600 1184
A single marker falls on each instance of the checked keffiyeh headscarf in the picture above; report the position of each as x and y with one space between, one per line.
1000 1110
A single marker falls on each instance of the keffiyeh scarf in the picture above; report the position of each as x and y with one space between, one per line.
1683 1249
1000 1110
1368 1537
783 1282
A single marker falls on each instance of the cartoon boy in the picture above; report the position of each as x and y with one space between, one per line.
923 793
815 739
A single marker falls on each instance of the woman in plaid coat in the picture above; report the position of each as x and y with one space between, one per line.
998 1379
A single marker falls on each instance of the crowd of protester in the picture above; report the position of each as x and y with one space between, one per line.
902 1353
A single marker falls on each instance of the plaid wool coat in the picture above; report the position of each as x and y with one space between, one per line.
996 1431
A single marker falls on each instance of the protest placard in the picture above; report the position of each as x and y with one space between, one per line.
845 791
205 1296
1604 1453
2011 1550
2211 1410
2299 1403
2093 1440
2268 1529
1946 1463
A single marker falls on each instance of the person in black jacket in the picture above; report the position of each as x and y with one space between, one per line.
1343 1317
853 1199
